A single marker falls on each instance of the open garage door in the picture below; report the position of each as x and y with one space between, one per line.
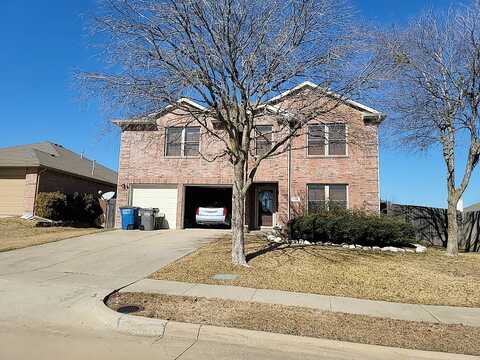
205 196
163 197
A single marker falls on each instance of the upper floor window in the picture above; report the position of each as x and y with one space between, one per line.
326 196
263 139
182 141
327 139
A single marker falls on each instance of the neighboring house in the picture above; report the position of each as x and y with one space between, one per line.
473 207
160 166
27 170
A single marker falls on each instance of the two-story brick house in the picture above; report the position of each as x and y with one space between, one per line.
166 162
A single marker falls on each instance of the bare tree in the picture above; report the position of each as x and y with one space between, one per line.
233 57
433 83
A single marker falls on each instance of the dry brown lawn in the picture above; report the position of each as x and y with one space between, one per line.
429 278
305 322
16 233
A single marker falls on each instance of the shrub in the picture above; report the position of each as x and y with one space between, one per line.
83 208
78 208
352 227
51 205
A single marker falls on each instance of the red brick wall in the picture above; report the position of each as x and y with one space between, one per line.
51 180
142 161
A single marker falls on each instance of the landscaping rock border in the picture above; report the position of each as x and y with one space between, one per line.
416 248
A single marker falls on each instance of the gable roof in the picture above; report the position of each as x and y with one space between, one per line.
311 85
149 119
369 113
54 156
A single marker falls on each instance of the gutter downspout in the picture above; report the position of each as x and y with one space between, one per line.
289 174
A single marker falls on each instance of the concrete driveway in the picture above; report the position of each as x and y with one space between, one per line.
49 284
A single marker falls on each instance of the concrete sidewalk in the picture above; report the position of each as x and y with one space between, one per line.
412 312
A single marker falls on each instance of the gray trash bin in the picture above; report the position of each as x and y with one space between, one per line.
147 218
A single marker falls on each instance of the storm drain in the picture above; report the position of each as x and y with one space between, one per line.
129 309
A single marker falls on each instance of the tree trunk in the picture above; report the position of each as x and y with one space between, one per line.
452 224
238 215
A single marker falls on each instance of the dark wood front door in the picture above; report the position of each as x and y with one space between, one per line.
265 206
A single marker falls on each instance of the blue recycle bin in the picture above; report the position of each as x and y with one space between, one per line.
129 215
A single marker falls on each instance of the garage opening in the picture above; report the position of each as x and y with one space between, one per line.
214 199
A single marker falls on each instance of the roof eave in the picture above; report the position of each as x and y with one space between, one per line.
374 119
150 119
122 122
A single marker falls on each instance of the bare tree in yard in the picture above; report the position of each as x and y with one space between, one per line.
232 57
434 86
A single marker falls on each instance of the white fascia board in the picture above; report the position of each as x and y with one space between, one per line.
314 86
191 103
288 92
150 118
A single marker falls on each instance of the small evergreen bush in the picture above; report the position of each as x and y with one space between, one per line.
51 205
78 208
352 227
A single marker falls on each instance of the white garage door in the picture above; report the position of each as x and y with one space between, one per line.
162 197
12 188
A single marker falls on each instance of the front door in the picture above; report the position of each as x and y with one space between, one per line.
265 207
265 204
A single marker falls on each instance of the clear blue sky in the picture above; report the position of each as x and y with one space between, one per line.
43 42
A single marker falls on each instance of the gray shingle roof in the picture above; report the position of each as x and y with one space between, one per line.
473 207
56 157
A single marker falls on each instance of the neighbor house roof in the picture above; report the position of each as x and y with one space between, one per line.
54 156
473 207
368 112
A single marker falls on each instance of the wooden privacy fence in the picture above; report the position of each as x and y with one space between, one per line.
108 207
431 224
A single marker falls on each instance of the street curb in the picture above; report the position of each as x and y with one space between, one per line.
134 325
142 326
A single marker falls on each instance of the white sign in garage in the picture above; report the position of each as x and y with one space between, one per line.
163 197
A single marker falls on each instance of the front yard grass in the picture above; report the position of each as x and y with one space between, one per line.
16 233
300 321
429 278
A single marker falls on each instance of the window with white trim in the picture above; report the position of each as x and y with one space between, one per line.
326 197
327 139
182 141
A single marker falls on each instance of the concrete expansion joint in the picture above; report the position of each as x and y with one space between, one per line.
430 313
160 337
253 295
188 289
191 345
198 332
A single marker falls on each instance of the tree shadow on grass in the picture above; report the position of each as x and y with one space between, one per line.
290 253
267 249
